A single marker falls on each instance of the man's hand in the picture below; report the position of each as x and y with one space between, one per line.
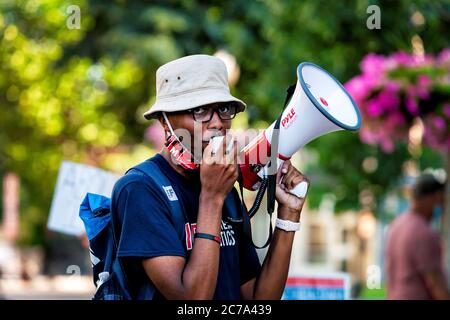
219 172
289 205
197 278
271 281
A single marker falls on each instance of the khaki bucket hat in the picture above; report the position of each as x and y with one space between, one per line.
190 82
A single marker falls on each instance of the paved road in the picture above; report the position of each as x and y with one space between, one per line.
45 288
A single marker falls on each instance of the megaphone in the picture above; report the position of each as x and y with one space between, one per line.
319 105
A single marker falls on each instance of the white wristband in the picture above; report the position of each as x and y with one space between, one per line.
287 225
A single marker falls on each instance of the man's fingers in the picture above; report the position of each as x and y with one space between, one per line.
231 157
286 166
221 156
293 178
207 155
282 171
218 155
296 181
289 176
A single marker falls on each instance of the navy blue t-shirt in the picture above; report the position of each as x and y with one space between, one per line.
147 230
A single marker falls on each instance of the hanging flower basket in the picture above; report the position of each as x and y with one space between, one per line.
392 91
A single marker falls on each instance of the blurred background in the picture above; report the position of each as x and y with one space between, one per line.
76 77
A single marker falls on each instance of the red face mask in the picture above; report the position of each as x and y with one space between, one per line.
181 154
178 151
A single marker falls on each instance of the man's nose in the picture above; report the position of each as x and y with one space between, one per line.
215 122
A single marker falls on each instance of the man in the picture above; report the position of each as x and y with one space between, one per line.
214 260
414 264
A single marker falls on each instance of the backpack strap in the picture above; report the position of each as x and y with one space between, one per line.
152 170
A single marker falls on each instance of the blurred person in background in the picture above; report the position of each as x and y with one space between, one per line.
414 255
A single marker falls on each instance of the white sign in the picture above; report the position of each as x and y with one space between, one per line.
74 181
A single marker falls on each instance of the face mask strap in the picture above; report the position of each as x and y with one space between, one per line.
178 150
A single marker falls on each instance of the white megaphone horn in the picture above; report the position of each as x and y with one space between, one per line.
319 105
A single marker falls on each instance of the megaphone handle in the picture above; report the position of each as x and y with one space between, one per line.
299 190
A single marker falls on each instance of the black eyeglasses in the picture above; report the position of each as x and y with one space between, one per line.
226 111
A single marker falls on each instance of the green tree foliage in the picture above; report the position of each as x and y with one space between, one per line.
80 94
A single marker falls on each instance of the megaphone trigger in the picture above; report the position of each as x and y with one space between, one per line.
300 190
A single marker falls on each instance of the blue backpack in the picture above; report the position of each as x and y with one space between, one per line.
96 212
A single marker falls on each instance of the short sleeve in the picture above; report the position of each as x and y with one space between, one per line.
427 253
145 227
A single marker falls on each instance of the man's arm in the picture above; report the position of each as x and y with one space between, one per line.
427 259
197 278
272 279
435 282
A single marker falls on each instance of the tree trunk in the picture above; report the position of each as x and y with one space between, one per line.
11 190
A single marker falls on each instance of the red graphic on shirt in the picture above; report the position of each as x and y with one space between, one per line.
190 230
226 235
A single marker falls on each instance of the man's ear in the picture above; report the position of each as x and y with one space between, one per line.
163 122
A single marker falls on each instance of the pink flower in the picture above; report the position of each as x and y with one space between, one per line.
386 80
392 86
401 58
439 123
373 64
412 91
444 56
436 141
357 89
368 136
155 134
404 59
411 105
388 98
374 108
396 119
436 133
387 145
427 59
423 86
424 81
360 87
446 109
